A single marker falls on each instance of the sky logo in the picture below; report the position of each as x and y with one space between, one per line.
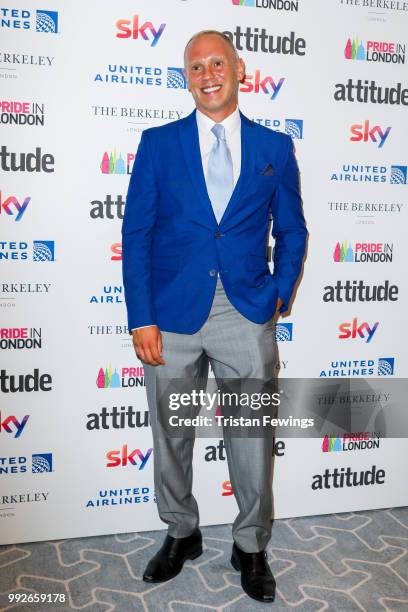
136 29
386 366
294 128
46 21
41 463
284 332
43 250
362 131
253 83
352 330
12 425
176 78
398 175
17 209
122 457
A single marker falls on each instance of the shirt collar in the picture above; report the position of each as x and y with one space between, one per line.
230 123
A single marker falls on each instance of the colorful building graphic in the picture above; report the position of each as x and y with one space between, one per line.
108 379
112 163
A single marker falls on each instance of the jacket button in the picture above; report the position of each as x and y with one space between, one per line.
218 234
212 272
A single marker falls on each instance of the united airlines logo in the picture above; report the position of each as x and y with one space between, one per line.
398 175
176 78
283 332
386 366
42 463
43 250
294 128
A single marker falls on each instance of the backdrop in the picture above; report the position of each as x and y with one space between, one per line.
80 81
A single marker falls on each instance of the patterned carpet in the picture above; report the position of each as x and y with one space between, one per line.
353 561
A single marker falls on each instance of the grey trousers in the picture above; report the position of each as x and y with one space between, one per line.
236 348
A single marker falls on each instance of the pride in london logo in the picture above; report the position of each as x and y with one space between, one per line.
108 379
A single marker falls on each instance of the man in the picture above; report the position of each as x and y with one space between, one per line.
198 287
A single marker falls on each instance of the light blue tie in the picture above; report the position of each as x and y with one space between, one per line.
220 178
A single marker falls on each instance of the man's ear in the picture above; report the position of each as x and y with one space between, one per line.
241 69
186 77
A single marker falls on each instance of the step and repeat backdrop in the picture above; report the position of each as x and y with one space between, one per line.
80 81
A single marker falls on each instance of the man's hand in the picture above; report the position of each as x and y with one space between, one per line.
148 344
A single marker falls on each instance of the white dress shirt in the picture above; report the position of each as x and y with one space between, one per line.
207 139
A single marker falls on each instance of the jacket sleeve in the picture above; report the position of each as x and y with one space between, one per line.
137 234
288 229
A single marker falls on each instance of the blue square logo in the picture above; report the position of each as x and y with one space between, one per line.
398 175
41 463
294 128
176 78
284 332
386 366
43 250
46 21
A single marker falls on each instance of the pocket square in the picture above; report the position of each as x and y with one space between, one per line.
268 170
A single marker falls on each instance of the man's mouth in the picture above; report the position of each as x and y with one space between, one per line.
212 89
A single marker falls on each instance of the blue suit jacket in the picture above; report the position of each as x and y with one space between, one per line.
173 248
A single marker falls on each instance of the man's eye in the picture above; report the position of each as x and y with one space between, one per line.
218 64
195 68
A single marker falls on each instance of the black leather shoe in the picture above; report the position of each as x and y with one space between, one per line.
169 560
256 577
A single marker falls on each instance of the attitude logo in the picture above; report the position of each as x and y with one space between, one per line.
354 330
108 208
111 294
131 28
398 175
363 132
21 113
43 250
384 366
284 332
361 440
19 383
259 40
13 425
129 377
12 207
26 162
254 84
123 457
358 291
122 417
40 21
40 464
375 51
345 477
370 92
363 252
20 338
114 163
277 5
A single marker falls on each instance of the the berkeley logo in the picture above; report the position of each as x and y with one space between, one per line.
353 329
362 131
345 477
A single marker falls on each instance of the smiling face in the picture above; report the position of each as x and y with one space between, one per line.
213 73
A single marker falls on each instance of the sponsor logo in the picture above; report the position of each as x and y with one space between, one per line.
108 330
363 132
358 291
398 175
9 291
121 497
13 425
8 503
20 338
43 250
363 252
360 440
111 294
21 113
40 463
292 127
354 330
384 366
218 453
123 457
376 4
23 59
26 162
108 208
129 377
284 332
22 19
151 76
254 84
114 163
12 207
118 417
360 174
145 30
19 383
277 5
367 209
133 112
369 92
346 477
226 488
259 40
375 51
116 250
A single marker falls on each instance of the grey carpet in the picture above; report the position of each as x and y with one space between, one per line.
352 561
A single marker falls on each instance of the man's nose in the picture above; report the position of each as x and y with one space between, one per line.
207 72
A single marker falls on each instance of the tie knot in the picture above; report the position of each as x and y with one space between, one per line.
219 131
